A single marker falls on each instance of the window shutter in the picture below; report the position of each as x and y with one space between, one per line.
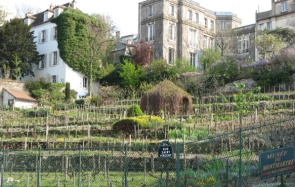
52 34
39 37
50 59
45 60
57 57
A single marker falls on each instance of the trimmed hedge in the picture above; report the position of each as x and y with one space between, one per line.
144 122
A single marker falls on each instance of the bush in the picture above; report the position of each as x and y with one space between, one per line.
134 110
96 100
144 122
80 102
36 113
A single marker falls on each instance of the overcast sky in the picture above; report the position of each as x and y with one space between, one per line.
124 12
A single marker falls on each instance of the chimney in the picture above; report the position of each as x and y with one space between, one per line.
74 4
118 36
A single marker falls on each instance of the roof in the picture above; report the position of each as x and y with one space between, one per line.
21 95
38 18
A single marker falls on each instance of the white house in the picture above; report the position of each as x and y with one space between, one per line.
52 67
20 99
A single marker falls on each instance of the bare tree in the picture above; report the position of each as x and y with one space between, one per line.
226 40
23 9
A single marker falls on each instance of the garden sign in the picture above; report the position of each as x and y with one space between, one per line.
277 162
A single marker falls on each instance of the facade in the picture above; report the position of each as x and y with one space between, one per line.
282 14
245 36
52 67
179 28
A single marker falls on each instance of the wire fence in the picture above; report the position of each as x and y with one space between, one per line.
228 159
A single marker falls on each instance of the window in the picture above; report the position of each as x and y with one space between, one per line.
206 22
54 58
284 7
192 38
171 10
205 41
171 56
190 15
197 17
193 59
54 32
85 82
43 36
54 78
212 25
243 44
268 25
222 25
151 10
42 62
211 43
261 25
171 31
150 32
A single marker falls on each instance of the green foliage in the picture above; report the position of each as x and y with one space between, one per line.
3 15
18 49
278 71
286 34
96 100
80 102
157 71
265 42
144 122
181 66
208 57
130 75
83 41
36 112
198 134
134 110
46 92
68 91
225 72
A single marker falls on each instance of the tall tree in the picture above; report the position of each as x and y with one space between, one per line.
130 75
83 41
18 51
226 40
267 45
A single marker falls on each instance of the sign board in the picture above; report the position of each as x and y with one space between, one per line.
165 150
277 162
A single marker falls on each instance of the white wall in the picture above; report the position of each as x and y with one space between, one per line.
17 103
63 72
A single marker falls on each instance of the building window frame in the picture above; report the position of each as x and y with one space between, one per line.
54 58
269 25
151 32
54 78
43 36
151 10
193 38
190 15
171 10
284 6
42 62
85 82
197 17
172 31
193 59
171 54
206 23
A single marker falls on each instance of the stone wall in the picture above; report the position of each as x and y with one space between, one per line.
10 84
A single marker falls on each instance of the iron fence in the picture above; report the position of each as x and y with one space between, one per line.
229 159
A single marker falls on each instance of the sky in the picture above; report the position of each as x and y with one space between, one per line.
124 12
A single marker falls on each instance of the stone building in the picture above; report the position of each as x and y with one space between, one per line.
179 28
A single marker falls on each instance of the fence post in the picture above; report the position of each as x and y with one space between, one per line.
39 169
126 166
3 168
178 165
79 172
241 162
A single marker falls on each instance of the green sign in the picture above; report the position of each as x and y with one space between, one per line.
277 162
